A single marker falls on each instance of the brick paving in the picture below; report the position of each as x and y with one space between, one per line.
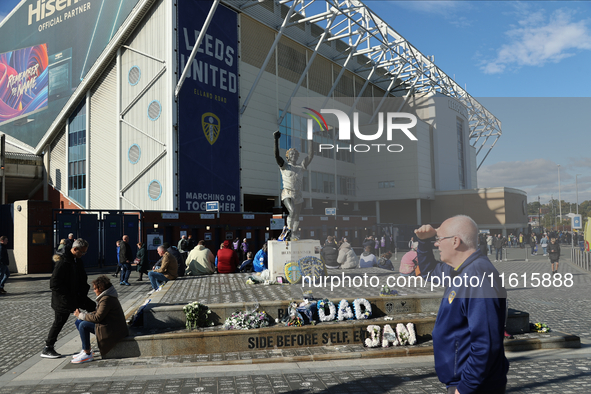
26 315
543 376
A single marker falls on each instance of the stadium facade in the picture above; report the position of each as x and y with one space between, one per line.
90 88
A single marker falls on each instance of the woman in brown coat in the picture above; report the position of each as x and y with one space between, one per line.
107 323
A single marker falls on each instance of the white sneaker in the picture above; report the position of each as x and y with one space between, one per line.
495 261
151 292
81 353
82 358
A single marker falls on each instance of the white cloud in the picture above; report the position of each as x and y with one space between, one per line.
538 40
538 177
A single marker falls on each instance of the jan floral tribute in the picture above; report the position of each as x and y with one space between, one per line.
404 335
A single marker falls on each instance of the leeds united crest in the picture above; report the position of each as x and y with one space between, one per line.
211 126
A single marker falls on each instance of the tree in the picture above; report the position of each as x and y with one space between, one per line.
533 208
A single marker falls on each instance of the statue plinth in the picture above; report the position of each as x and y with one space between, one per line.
290 253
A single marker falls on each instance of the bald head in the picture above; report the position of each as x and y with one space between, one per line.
464 227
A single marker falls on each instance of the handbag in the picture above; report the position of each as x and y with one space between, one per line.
136 261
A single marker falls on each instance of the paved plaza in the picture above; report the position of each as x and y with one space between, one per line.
26 317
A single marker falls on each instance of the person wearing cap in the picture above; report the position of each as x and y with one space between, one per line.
330 253
227 259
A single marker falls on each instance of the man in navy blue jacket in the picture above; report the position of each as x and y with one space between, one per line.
468 333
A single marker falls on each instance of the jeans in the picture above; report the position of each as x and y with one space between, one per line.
125 272
499 253
85 328
155 278
489 249
4 274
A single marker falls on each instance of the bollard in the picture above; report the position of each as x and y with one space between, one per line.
526 253
505 250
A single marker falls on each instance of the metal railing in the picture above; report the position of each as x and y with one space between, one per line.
581 258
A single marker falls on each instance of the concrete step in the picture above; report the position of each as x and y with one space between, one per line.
189 346
161 342
548 340
158 315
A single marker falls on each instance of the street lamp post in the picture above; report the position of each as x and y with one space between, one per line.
553 212
577 189
559 200
539 214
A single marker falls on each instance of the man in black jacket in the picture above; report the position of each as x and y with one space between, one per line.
69 291
125 259
330 253
499 242
4 271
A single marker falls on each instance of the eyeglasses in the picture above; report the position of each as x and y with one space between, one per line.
439 239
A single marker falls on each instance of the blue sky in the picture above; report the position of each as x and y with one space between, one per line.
526 62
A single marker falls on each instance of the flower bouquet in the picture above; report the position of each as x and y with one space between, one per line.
241 320
197 315
539 327
386 291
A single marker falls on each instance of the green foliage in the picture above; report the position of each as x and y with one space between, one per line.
533 208
197 315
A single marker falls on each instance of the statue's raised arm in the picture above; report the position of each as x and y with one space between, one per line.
278 158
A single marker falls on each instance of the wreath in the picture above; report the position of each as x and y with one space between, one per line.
345 311
311 267
323 306
362 308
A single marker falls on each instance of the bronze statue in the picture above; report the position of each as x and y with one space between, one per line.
292 175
